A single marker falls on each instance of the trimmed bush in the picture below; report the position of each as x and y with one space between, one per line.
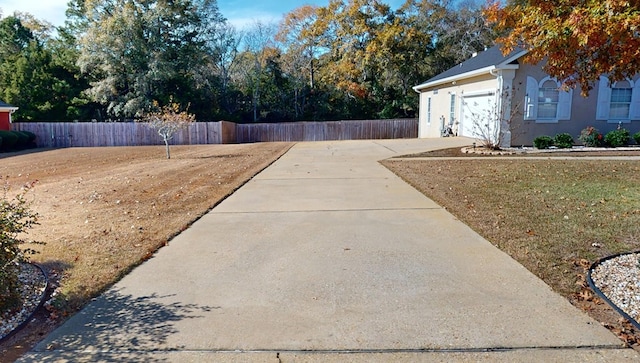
543 142
9 140
617 137
563 141
26 140
636 137
30 135
23 140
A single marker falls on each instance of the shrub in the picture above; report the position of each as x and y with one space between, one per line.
31 139
26 140
15 219
30 135
543 142
617 137
563 141
590 136
23 140
9 140
636 137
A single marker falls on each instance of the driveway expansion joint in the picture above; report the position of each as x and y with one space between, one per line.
359 351
333 210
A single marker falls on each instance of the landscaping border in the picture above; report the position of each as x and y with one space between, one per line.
43 298
601 295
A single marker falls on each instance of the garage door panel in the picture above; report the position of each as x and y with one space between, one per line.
476 113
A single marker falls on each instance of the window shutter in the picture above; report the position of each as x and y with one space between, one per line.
531 99
564 104
604 99
634 111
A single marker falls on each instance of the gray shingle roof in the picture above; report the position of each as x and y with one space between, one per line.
4 104
490 57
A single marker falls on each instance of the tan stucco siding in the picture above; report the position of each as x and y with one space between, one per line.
441 103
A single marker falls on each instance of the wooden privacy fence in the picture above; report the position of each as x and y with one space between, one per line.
73 134
328 130
79 134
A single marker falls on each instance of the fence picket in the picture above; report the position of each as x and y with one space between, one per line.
61 134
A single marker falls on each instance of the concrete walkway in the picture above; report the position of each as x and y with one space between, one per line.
328 256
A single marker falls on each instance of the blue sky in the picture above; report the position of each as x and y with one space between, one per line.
238 12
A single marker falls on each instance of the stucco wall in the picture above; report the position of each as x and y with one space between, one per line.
583 112
440 102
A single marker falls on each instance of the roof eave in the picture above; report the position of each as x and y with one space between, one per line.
513 58
505 64
470 74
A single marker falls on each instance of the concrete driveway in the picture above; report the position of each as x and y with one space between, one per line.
328 256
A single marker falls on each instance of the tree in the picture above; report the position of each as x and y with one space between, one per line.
167 121
367 56
29 77
302 46
71 102
139 50
259 48
224 53
579 40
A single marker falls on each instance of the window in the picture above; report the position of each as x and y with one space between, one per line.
428 110
452 109
618 102
548 96
546 102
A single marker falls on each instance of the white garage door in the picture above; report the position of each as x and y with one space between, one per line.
478 112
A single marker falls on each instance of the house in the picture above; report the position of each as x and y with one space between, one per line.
5 115
496 94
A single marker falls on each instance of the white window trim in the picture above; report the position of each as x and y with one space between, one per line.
429 110
563 111
604 101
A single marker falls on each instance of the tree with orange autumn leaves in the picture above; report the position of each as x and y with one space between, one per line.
579 39
372 54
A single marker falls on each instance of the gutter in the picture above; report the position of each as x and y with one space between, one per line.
504 65
469 74
11 110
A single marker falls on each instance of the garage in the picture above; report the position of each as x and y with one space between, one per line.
477 114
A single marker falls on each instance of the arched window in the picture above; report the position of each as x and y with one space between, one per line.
546 102
618 102
548 96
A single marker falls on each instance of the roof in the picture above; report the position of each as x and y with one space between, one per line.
484 62
6 105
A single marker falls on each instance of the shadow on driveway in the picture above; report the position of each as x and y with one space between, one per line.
120 323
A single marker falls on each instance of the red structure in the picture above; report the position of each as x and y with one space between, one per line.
5 115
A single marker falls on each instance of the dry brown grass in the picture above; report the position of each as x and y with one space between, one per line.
105 210
555 217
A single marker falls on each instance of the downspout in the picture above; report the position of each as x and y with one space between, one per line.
11 113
